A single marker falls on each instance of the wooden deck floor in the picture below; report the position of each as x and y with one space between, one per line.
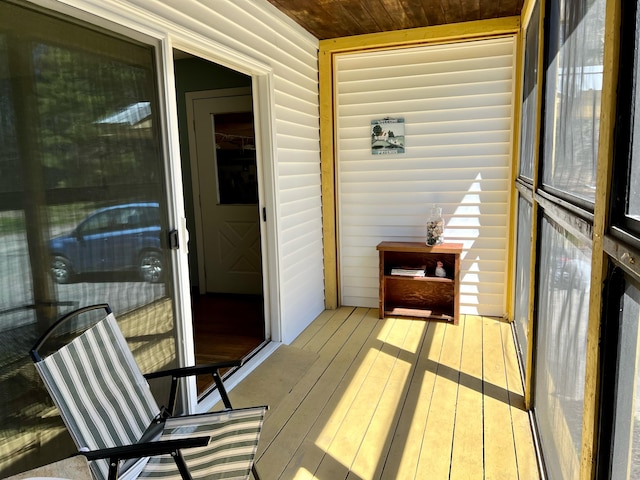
355 397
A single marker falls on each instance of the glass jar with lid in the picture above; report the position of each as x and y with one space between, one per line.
435 226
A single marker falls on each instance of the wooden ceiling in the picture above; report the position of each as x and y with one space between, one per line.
342 18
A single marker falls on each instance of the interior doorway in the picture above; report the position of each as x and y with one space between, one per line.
223 217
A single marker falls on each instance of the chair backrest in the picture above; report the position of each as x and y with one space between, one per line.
96 384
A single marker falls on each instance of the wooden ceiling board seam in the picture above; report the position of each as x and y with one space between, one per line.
351 19
490 8
311 15
455 11
360 14
434 11
383 17
338 18
398 13
415 11
471 9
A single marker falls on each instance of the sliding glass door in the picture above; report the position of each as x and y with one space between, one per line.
83 210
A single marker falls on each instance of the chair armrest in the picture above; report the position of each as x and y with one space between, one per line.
194 370
209 368
145 449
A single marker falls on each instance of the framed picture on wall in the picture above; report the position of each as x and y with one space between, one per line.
387 136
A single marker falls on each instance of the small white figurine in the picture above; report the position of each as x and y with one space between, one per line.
440 271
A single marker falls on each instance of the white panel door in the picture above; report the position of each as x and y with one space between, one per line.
229 215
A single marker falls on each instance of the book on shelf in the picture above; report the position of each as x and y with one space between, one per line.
409 271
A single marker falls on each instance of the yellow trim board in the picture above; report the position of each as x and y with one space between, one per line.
417 36
599 260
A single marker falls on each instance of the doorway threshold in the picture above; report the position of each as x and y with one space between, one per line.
211 397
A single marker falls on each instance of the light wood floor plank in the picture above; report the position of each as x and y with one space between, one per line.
525 449
322 335
360 398
435 458
326 399
274 381
468 450
500 458
324 378
308 333
404 453
290 423
371 456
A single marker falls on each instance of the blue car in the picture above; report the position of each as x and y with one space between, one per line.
113 239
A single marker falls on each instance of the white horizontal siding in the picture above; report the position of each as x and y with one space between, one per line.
230 32
257 29
456 101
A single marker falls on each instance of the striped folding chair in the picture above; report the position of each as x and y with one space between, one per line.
108 408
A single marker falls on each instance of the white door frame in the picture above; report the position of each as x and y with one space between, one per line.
263 112
265 233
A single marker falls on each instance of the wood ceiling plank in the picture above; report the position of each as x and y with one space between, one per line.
307 14
362 18
408 14
502 8
434 11
471 10
327 19
490 8
416 13
453 11
385 18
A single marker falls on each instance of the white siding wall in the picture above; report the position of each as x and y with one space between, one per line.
256 30
457 104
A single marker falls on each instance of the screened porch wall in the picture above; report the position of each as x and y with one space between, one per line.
456 101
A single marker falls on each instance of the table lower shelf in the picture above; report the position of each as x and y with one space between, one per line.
417 313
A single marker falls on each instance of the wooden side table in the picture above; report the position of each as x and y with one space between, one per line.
404 291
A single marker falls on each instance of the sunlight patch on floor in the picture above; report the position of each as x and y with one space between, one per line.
360 445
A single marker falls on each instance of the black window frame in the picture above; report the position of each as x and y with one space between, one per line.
611 324
623 227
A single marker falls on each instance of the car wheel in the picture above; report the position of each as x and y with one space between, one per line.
61 269
151 267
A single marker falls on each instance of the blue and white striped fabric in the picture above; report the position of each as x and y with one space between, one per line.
105 401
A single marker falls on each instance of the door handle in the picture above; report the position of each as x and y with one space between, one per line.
174 244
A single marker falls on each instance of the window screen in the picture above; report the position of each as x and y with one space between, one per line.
523 277
528 128
626 442
563 314
626 211
573 96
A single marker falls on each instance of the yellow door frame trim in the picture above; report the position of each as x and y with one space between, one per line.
328 50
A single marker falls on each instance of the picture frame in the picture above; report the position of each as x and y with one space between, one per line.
387 136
